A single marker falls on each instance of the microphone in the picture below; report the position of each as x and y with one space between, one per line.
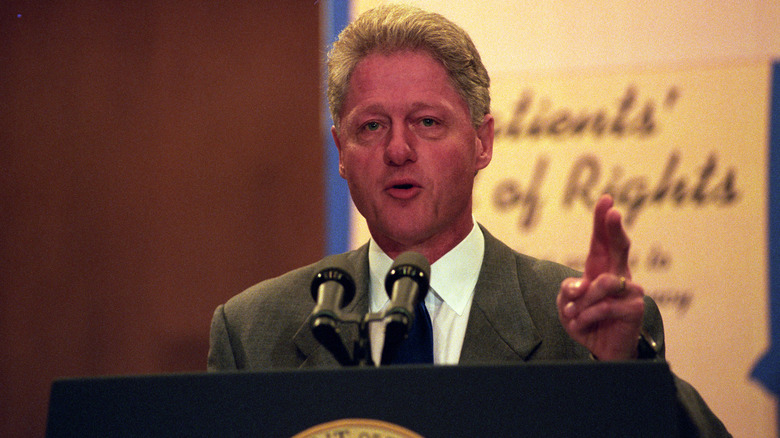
332 289
406 284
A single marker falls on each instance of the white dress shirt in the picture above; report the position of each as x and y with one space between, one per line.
453 278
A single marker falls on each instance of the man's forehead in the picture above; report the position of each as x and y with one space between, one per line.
407 79
379 107
403 52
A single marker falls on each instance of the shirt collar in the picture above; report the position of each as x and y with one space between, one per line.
453 276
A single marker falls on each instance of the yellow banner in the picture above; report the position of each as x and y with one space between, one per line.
684 153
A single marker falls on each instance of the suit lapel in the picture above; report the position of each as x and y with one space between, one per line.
315 355
499 327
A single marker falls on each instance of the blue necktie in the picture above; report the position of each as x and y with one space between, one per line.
418 347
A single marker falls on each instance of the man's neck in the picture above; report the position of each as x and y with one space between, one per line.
432 248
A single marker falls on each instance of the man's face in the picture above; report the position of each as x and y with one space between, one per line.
408 150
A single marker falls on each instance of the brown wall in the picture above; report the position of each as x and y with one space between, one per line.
156 157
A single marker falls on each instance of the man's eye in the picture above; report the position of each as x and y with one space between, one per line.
372 126
428 122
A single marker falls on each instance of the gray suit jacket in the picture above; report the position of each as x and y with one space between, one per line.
513 319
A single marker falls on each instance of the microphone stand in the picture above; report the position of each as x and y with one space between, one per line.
361 351
363 345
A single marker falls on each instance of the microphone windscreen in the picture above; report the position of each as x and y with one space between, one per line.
409 264
336 269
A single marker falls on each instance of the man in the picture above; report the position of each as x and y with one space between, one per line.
410 102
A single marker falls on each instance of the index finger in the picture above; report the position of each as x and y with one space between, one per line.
609 245
619 243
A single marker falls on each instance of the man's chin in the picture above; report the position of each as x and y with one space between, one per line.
403 234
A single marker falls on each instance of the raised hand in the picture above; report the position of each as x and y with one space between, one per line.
603 310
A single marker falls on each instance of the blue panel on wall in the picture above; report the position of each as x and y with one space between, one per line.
337 194
767 371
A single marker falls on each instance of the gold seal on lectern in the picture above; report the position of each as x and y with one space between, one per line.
357 428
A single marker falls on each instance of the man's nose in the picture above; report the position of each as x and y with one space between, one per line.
400 147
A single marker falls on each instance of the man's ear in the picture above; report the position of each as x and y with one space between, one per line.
485 142
336 140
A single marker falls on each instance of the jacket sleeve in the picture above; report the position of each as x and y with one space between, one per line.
221 357
694 417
